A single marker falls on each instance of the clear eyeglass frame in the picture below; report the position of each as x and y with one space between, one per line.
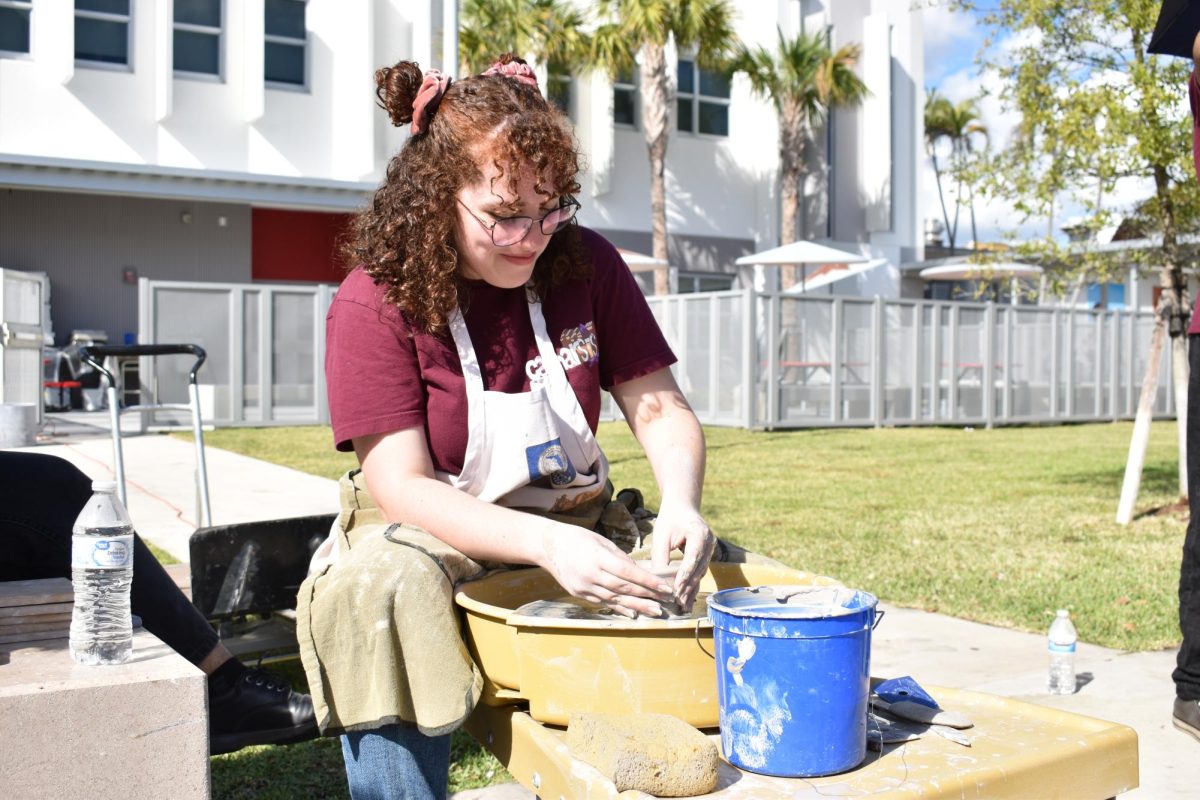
507 231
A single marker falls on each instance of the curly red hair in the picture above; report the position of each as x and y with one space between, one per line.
405 238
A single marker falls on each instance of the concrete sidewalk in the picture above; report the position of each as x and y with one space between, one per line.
1134 689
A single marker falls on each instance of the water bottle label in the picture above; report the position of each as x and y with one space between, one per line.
1062 648
98 552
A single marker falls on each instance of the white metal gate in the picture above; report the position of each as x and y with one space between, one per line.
21 339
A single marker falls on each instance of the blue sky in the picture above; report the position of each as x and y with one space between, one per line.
952 40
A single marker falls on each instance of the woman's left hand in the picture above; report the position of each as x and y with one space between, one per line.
683 528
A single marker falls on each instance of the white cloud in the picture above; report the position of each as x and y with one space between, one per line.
943 26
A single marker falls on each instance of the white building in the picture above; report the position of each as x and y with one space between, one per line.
224 140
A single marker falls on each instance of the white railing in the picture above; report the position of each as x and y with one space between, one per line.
746 359
778 361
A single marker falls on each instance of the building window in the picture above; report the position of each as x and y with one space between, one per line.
1106 295
197 43
689 282
14 25
102 31
702 102
558 87
286 42
625 99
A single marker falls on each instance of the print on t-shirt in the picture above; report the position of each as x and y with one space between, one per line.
549 460
576 346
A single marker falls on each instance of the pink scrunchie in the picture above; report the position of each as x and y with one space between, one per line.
428 96
515 70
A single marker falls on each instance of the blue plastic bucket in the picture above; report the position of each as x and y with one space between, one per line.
793 676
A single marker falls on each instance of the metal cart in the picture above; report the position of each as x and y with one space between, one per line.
95 356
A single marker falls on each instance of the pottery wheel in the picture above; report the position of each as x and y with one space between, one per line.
567 607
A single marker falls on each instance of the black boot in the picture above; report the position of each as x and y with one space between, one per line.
1187 717
257 707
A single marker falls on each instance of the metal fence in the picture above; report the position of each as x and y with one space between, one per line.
778 361
746 359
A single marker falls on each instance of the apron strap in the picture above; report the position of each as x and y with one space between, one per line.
473 377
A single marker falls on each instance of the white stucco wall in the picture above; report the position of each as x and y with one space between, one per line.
718 187
50 107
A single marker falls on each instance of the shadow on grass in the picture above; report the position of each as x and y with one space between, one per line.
308 769
1157 479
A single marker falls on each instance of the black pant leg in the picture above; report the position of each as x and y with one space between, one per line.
1187 670
40 497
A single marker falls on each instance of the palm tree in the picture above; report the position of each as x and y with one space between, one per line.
805 80
638 31
959 124
549 32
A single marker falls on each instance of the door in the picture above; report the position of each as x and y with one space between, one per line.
21 339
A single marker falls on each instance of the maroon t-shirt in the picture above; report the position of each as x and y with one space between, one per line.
384 376
1194 99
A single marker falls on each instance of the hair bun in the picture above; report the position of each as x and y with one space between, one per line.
396 87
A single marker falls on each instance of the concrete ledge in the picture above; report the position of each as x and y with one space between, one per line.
135 730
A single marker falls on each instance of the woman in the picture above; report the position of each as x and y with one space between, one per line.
464 358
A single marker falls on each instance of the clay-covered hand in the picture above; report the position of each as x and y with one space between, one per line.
592 568
682 528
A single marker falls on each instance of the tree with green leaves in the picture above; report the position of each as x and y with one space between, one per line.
637 32
805 80
1096 108
552 33
959 126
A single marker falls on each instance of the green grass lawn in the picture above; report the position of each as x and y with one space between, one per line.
1000 526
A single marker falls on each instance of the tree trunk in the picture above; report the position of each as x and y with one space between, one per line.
656 92
937 174
791 168
1179 372
1141 426
1175 312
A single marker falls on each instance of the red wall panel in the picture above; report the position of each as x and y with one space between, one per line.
296 245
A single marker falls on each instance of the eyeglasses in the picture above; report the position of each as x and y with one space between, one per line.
507 231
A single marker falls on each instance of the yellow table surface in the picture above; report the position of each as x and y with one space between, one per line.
1018 750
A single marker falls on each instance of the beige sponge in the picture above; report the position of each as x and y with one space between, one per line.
653 753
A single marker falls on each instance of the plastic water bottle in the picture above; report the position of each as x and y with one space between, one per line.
1062 654
101 572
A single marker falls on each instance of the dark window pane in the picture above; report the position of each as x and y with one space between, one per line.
686 73
14 30
101 40
559 91
198 12
714 84
720 284
623 107
683 117
107 6
198 52
284 63
285 18
714 119
625 76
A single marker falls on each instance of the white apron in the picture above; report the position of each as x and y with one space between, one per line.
530 450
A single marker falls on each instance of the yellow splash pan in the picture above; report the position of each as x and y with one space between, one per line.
561 666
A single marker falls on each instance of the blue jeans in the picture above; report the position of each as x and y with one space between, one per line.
396 762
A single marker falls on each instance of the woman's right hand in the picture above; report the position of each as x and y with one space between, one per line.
592 568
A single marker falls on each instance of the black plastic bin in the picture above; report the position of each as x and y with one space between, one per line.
253 567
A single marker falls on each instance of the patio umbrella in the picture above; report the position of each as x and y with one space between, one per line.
1178 24
968 272
802 253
